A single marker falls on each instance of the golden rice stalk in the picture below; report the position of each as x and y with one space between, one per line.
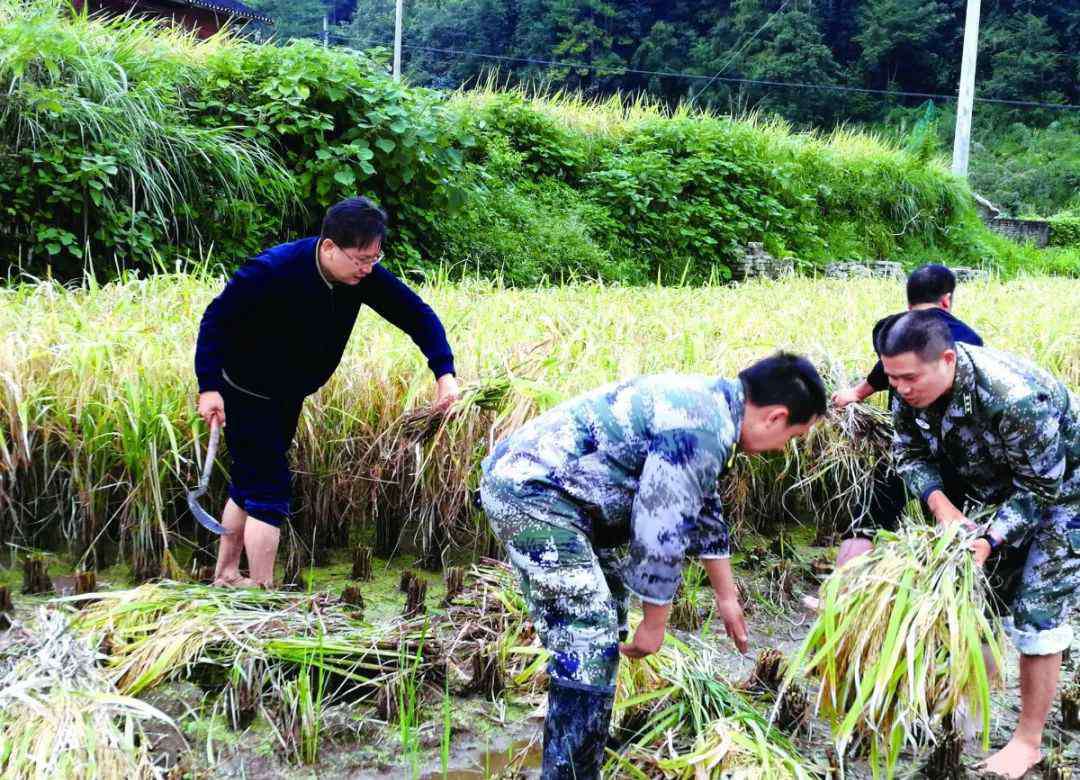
60 717
160 631
898 645
737 747
839 460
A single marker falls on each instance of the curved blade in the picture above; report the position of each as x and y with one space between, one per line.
206 520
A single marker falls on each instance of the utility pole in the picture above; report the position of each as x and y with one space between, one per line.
325 28
397 41
962 139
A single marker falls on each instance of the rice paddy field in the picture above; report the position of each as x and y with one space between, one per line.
398 645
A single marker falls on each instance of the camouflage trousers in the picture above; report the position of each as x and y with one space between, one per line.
1042 587
575 594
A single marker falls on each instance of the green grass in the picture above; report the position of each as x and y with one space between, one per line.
126 145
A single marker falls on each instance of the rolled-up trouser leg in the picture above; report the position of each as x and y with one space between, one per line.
1038 623
259 433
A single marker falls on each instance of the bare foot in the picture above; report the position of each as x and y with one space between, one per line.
1013 760
235 581
226 580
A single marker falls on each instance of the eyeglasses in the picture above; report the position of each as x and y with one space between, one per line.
363 262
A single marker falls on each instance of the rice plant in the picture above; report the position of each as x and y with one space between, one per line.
447 729
898 646
407 689
167 631
99 439
301 705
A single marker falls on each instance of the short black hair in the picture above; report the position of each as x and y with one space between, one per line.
928 283
786 380
354 222
923 332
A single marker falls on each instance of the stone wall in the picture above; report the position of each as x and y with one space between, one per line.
887 269
853 269
756 263
967 275
1034 231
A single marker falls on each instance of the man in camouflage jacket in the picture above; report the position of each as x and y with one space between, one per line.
1010 431
634 463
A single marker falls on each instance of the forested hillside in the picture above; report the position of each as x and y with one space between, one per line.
1026 158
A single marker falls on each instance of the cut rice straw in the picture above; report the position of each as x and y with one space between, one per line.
59 715
898 644
684 721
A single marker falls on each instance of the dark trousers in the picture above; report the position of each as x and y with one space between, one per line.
885 506
259 433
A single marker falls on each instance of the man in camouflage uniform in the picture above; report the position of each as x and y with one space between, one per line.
1010 431
634 463
929 288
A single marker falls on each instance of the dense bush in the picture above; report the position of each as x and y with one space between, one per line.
1065 230
124 145
676 197
1027 170
139 143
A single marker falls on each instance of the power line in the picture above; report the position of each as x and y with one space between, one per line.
728 79
739 51
609 70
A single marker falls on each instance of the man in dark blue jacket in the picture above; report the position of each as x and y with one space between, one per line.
930 288
275 335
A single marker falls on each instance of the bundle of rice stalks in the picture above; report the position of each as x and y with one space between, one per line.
163 631
753 494
897 646
489 395
680 721
433 456
840 459
742 747
60 717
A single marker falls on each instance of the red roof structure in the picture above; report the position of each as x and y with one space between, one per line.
205 17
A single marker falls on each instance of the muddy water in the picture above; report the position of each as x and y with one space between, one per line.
523 755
